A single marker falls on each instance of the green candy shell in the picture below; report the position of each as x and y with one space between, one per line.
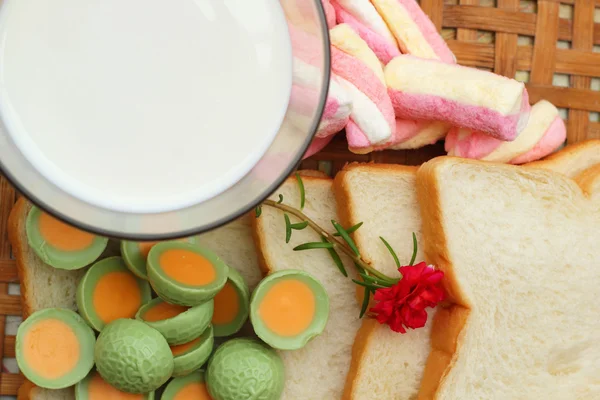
194 358
82 331
57 258
315 328
85 289
245 369
243 293
133 357
182 328
177 384
81 389
178 293
135 261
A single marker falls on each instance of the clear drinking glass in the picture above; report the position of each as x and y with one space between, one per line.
311 66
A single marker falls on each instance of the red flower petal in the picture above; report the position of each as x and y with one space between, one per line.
403 305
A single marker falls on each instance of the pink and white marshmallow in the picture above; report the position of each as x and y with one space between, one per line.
362 16
422 89
306 85
416 134
544 133
372 120
413 30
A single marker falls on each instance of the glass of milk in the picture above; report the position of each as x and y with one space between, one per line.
154 119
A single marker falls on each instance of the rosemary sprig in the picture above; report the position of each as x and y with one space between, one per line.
352 229
414 254
302 192
288 227
344 234
336 258
365 302
338 245
340 241
396 260
373 286
258 211
314 245
299 225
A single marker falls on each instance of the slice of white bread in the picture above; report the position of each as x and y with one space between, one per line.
317 371
519 248
233 243
385 365
571 160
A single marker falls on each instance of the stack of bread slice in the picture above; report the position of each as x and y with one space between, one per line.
519 248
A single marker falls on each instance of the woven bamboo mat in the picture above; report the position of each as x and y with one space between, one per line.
552 45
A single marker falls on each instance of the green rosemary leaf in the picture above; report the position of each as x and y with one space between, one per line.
372 286
365 303
360 269
344 234
313 245
368 278
258 211
280 199
352 229
336 258
288 228
302 193
362 283
392 252
414 255
299 225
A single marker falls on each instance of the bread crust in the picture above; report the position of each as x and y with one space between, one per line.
18 241
24 392
571 160
589 179
361 342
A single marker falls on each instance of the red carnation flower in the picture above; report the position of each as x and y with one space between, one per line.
403 305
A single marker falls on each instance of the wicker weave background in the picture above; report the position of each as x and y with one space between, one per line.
552 45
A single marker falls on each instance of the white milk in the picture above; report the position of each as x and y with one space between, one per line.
144 105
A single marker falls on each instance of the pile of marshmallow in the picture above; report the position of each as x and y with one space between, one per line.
395 84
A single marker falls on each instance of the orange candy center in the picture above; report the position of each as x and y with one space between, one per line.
145 248
51 348
187 267
184 348
193 391
288 307
116 295
227 305
62 236
163 311
98 389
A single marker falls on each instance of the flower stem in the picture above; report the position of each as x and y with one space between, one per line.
337 244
